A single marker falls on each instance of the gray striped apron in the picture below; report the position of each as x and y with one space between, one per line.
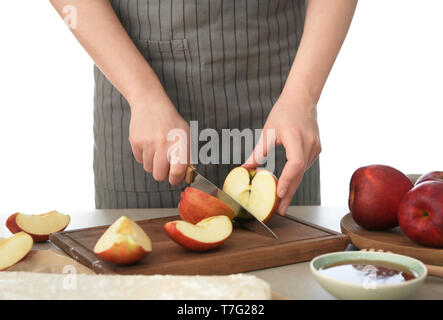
222 63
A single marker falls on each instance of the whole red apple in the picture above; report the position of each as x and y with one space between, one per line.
374 196
430 176
421 214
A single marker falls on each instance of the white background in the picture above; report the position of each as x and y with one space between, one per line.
382 103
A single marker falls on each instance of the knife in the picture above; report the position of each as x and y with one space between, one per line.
248 220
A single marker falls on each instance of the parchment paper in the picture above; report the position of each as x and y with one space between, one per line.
50 261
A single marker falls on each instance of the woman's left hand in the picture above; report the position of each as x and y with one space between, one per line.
294 122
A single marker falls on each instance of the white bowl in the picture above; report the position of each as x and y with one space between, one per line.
351 290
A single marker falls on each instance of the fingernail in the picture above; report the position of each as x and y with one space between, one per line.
282 193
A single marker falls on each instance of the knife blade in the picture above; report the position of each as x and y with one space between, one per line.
248 220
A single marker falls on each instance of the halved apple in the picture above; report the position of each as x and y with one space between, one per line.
124 242
14 249
38 226
207 234
256 190
196 205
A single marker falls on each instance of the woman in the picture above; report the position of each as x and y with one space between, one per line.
226 64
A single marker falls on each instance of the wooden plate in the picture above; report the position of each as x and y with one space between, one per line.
392 240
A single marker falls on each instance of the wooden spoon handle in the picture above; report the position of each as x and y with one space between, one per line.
435 271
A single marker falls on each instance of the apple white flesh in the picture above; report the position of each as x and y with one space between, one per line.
205 235
254 190
237 185
124 242
38 226
208 230
14 249
42 224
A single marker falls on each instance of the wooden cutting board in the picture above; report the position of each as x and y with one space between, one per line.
391 240
243 251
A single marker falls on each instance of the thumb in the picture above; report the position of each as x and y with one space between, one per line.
265 143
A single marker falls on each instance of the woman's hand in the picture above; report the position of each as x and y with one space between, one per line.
152 114
294 115
152 119
294 122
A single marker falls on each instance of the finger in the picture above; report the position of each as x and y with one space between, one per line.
178 156
148 161
292 172
288 184
295 164
161 164
314 152
177 173
265 143
311 162
138 153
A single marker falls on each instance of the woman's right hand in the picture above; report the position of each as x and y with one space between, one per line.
152 119
109 45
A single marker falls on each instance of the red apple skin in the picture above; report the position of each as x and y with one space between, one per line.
189 243
421 214
123 253
430 176
11 224
374 196
196 205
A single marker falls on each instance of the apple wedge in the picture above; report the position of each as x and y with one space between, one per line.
196 205
14 249
256 190
207 234
124 242
40 226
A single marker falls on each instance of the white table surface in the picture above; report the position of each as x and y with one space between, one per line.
292 281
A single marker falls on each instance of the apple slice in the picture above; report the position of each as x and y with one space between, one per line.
207 234
38 226
14 249
124 242
196 205
256 190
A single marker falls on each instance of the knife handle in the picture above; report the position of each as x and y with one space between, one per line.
190 174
